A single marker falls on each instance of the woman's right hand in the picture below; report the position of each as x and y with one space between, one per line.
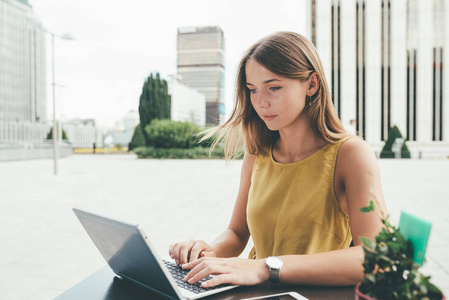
189 251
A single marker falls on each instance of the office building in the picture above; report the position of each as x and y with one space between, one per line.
23 109
82 133
187 104
201 66
22 64
384 62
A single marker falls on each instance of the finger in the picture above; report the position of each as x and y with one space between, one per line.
175 252
203 270
194 267
196 250
171 250
207 254
184 251
193 264
217 280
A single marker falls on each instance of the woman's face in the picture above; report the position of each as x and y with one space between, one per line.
279 101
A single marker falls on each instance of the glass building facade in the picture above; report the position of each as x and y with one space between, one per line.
201 66
22 64
384 62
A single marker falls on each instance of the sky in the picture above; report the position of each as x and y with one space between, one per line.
118 44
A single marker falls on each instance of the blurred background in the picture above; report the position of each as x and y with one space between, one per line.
83 64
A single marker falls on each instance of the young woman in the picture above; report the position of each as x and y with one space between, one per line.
302 183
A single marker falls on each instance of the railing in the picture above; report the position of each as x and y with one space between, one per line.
22 132
27 134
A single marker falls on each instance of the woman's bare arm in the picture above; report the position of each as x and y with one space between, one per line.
234 239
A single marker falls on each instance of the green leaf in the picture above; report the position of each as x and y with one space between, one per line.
367 242
368 208
371 278
365 209
433 288
371 205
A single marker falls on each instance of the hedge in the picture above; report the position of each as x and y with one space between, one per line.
177 153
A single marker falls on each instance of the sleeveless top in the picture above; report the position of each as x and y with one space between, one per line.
292 207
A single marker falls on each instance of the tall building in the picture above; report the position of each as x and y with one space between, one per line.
384 63
201 66
22 64
23 108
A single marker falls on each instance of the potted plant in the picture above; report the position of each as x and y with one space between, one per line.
389 270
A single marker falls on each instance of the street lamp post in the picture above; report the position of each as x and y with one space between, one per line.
55 123
55 143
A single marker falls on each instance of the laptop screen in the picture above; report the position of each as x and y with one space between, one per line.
126 252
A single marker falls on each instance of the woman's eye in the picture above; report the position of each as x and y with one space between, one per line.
252 91
274 88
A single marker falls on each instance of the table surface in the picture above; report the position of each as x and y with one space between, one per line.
104 285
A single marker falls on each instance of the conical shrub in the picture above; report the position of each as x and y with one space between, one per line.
386 150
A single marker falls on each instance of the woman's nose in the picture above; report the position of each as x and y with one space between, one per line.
262 101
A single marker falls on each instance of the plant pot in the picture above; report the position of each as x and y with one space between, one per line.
361 296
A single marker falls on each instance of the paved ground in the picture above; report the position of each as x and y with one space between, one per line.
44 250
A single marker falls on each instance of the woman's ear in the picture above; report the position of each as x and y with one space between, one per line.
314 84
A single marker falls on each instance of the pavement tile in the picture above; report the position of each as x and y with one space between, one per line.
44 245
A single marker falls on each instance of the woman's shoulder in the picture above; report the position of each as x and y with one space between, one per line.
249 158
355 152
353 145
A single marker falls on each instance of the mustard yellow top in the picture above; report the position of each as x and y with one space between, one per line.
292 207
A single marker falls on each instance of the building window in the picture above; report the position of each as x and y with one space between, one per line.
360 69
385 122
412 45
336 56
437 95
411 95
332 55
313 18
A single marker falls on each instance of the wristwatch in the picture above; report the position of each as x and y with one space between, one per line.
274 265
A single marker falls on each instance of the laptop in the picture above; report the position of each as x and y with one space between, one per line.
129 253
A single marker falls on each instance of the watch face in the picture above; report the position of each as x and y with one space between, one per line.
274 262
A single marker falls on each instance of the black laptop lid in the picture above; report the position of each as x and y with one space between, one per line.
125 251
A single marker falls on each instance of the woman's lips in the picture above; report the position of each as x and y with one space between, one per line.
269 117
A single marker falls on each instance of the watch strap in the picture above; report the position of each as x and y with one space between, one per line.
274 275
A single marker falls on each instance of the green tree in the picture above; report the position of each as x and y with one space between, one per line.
138 140
50 135
155 102
387 151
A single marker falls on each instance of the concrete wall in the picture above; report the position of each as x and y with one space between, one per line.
24 153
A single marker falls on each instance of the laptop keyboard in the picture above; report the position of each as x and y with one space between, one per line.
178 274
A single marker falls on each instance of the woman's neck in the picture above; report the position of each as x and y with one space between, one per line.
296 143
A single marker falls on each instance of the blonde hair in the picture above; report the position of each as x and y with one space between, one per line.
290 55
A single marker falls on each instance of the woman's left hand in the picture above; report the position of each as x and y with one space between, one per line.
238 271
